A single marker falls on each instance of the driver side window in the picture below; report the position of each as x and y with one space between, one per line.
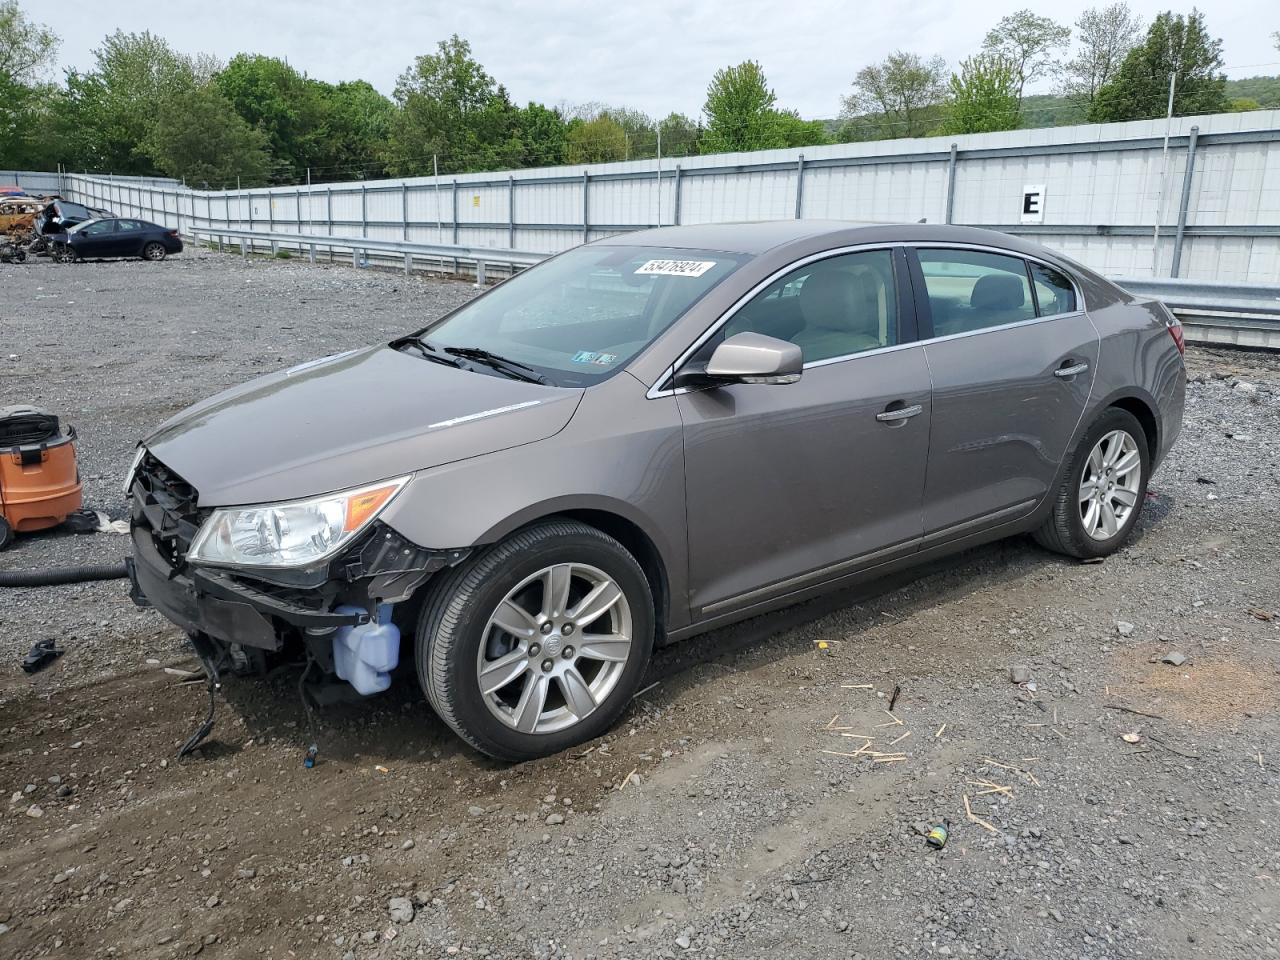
836 307
102 226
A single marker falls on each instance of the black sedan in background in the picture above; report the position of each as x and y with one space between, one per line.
119 237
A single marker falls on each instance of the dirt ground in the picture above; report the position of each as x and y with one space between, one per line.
758 799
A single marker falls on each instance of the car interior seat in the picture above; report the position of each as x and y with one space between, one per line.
842 314
998 298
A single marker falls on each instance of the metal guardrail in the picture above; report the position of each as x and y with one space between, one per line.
1232 314
365 249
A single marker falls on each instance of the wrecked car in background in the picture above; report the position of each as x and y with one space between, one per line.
644 438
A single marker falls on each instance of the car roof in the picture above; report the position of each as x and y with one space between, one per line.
755 238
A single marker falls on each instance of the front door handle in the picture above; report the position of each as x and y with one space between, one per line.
900 413
1074 370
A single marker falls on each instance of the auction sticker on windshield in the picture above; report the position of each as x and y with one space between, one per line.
676 268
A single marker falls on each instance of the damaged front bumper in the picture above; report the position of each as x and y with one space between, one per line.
215 604
263 608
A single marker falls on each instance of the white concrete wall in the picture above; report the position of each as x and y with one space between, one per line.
1105 187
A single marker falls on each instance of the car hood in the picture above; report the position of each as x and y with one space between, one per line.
347 420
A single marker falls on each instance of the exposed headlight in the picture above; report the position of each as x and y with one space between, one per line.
133 468
293 534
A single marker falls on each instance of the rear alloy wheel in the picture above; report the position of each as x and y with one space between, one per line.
6 533
539 643
154 251
1102 491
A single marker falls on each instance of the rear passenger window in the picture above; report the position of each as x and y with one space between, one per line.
1054 292
969 290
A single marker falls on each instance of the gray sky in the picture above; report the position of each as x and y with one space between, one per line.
657 55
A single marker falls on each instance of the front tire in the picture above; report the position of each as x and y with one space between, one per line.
1102 490
539 643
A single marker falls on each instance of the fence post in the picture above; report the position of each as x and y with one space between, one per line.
511 212
364 210
586 206
404 215
951 184
676 199
1185 202
454 201
271 212
250 210
799 184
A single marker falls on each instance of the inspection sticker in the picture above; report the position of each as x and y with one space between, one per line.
676 268
599 359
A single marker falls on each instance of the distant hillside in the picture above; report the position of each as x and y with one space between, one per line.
1049 110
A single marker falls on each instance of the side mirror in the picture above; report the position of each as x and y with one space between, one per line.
746 358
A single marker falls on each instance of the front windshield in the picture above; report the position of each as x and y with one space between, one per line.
582 316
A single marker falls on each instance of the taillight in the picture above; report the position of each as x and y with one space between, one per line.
1175 331
173 233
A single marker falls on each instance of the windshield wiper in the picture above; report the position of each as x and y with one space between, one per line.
512 368
427 350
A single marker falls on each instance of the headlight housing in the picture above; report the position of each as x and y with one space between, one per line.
297 533
133 468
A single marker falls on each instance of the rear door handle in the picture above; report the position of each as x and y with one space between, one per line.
901 413
1074 370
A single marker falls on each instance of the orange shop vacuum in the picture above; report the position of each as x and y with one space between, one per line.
39 482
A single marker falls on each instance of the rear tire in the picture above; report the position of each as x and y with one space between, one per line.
543 690
1102 490
154 251
6 534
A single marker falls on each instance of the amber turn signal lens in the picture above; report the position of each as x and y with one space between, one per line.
361 506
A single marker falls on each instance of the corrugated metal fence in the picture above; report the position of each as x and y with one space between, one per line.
1095 192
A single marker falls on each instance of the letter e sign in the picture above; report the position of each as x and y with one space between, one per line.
1033 203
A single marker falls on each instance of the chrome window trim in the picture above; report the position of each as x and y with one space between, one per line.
654 392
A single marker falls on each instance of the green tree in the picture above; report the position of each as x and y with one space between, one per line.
1104 35
1175 45
740 111
601 140
452 108
904 90
680 136
795 132
1242 105
26 47
198 136
984 96
134 77
26 51
286 106
1028 42
357 120
541 132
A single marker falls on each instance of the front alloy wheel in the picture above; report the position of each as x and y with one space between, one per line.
555 648
538 643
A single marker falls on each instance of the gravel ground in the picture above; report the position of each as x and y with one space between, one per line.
738 810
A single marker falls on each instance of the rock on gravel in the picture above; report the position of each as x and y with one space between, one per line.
400 909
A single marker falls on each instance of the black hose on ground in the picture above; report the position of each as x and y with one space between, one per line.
55 576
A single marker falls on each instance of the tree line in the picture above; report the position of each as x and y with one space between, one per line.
144 108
